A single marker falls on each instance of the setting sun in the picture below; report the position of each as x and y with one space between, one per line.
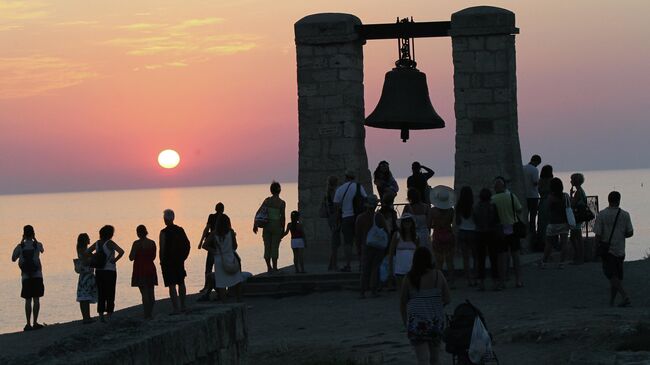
169 159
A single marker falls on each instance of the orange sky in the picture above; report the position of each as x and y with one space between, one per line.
91 91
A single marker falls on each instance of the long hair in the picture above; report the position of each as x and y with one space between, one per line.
547 172
422 262
464 204
378 174
557 188
82 242
412 233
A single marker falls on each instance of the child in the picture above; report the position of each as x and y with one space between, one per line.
297 241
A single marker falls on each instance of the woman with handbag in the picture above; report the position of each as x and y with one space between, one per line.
582 215
272 223
144 276
227 266
86 285
443 241
104 261
557 230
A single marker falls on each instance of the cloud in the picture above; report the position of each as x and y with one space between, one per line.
8 27
231 48
142 26
193 23
34 75
78 22
22 10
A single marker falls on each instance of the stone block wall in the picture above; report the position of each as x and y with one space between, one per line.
485 90
330 113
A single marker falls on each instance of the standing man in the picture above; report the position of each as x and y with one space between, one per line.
344 198
209 258
419 179
508 209
531 180
174 249
28 255
613 225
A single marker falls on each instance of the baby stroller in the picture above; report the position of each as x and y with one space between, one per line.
467 338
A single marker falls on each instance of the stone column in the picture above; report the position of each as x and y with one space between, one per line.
330 116
485 88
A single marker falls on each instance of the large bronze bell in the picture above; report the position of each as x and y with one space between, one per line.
404 102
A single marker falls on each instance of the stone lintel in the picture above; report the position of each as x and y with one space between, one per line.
327 28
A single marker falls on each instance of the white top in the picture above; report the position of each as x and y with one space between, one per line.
531 178
404 256
29 245
110 256
604 225
345 199
222 279
466 224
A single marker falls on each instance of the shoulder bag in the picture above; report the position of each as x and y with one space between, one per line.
570 218
518 227
603 247
377 237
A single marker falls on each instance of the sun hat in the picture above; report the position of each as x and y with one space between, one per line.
372 201
442 197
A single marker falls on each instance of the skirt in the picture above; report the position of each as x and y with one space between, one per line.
87 288
32 288
297 243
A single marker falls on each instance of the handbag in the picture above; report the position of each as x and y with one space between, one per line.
570 218
518 228
583 214
262 216
602 248
230 267
377 237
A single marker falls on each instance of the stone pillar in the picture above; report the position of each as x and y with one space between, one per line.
330 116
485 88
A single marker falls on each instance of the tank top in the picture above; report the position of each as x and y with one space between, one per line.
404 256
110 256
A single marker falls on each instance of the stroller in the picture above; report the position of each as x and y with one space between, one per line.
466 337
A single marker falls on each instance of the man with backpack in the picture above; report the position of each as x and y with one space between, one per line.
174 249
349 199
27 252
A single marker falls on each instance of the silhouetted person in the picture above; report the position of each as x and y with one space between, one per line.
508 209
344 198
174 249
87 284
227 266
28 252
298 241
557 230
209 258
106 274
531 181
384 180
613 225
145 277
544 188
273 227
373 254
467 236
330 211
578 203
419 180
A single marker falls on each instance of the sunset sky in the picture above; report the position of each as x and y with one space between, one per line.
91 91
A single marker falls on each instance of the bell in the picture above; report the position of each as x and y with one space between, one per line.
404 103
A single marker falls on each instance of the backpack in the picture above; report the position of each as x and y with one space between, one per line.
377 237
28 265
458 334
99 258
358 201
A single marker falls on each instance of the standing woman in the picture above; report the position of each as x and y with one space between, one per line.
443 241
145 277
329 211
274 228
557 230
467 232
384 181
578 204
487 225
422 300
421 214
106 272
402 247
227 267
86 286
544 187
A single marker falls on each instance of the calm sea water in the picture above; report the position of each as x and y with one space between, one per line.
59 218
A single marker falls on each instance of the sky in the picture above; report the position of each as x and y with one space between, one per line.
91 91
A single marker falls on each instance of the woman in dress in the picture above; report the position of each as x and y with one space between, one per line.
227 267
423 297
402 248
86 286
443 241
143 253
467 232
544 188
557 230
273 227
384 180
106 274
421 214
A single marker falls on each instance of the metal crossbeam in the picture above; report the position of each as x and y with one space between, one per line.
404 30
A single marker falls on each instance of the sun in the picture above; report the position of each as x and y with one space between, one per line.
168 159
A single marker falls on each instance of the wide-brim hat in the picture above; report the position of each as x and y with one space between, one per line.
442 197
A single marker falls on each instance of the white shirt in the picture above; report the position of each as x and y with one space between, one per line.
604 225
531 178
345 199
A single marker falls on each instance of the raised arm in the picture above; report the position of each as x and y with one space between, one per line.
429 173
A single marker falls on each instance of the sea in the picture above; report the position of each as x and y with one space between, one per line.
59 218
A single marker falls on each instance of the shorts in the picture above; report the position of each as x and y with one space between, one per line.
613 266
556 229
32 288
297 243
347 228
507 243
173 274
